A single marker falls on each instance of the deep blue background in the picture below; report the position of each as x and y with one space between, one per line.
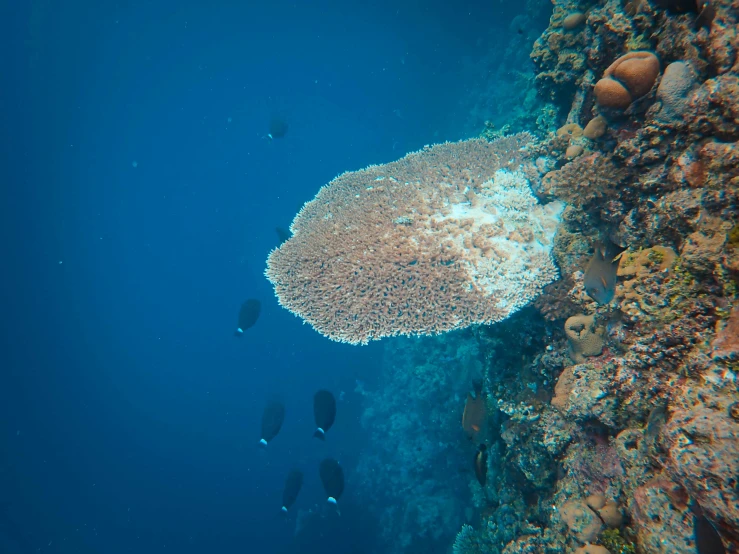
130 414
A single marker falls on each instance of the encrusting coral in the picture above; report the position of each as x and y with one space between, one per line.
674 92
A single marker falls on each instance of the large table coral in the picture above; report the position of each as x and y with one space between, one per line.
442 239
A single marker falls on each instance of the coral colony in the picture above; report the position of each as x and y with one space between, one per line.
439 240
612 417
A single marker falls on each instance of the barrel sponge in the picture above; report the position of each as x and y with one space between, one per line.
441 239
585 338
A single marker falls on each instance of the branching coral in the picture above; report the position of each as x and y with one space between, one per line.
674 92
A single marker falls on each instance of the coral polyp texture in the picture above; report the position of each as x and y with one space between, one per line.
441 239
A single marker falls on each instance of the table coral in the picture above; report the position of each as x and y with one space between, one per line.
442 239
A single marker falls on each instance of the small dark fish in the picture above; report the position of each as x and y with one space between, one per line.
277 128
481 464
292 488
272 418
324 411
332 477
248 315
520 31
473 416
707 539
600 276
283 234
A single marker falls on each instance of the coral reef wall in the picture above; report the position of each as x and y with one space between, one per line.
641 435
614 426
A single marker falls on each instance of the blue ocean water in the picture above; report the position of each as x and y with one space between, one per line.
139 204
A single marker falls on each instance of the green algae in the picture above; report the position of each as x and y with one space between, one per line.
616 543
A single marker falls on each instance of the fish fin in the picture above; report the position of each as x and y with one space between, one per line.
705 17
600 250
613 252
708 539
618 256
